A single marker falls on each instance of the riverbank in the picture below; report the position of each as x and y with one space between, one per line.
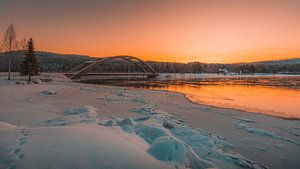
267 100
73 122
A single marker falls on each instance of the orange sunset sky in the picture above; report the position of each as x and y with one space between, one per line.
163 30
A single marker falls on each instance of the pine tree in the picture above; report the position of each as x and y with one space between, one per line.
29 65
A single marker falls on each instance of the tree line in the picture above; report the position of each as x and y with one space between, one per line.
240 68
28 64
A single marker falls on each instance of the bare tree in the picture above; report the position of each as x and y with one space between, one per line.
22 44
9 42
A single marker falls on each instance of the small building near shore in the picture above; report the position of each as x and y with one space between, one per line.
223 71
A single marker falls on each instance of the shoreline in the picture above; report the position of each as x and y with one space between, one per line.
247 132
230 108
238 113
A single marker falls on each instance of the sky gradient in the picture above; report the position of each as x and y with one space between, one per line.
224 31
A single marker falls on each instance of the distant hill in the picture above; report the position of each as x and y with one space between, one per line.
54 62
48 61
280 62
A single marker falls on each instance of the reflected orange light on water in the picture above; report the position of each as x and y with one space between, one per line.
280 102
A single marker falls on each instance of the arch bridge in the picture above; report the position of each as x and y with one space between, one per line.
85 68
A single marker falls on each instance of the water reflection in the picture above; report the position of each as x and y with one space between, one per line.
281 102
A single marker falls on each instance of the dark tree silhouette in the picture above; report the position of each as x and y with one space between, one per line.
29 65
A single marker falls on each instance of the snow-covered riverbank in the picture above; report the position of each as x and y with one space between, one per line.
62 124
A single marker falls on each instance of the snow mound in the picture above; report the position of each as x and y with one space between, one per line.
76 146
173 142
84 114
7 126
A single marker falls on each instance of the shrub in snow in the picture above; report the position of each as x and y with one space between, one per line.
36 81
20 82
49 92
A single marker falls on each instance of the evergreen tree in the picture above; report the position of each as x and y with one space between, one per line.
29 65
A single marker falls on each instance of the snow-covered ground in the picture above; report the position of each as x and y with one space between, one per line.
62 124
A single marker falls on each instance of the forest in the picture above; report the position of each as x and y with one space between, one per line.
53 62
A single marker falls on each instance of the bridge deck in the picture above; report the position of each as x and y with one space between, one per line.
114 74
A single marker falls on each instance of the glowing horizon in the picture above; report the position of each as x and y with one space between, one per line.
170 30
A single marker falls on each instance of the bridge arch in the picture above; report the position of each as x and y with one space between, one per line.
84 68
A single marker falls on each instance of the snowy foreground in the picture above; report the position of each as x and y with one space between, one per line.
62 124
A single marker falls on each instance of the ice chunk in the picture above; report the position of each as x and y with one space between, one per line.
108 123
262 132
128 121
168 148
57 122
169 124
182 146
150 133
279 145
261 148
139 100
101 97
173 150
127 129
155 120
76 110
144 110
244 119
